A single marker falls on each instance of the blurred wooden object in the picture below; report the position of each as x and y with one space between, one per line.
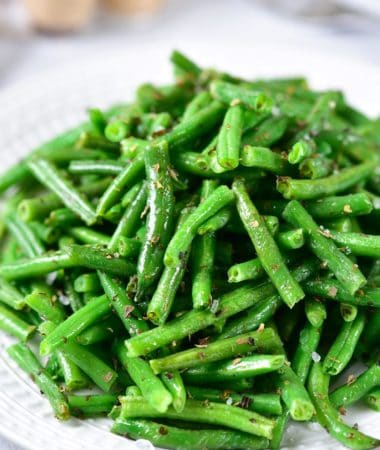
131 7
60 15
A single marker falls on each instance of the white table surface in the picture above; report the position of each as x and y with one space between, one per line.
24 53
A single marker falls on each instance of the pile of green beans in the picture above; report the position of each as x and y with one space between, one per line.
206 257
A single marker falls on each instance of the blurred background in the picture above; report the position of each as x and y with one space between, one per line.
39 34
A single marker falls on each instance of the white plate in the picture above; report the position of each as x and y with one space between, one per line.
33 111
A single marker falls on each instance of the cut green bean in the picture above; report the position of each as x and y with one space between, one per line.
329 417
152 388
228 145
216 351
245 367
266 248
91 405
28 362
229 93
195 411
356 387
95 368
13 325
306 351
132 173
269 404
181 241
75 324
186 439
343 268
48 175
264 158
311 189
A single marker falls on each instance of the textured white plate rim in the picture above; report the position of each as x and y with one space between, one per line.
54 100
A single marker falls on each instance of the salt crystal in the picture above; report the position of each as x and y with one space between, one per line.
316 357
229 401
51 277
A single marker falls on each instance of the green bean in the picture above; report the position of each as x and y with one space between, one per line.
131 146
329 418
46 234
343 347
181 241
195 411
333 290
228 145
118 298
264 158
38 208
24 235
131 218
311 189
72 256
98 167
59 144
278 430
348 312
11 296
359 244
343 268
184 63
62 218
356 388
199 102
315 312
91 405
262 403
174 384
180 439
87 282
14 325
196 126
266 133
48 175
128 247
46 304
216 351
300 151
293 394
230 304
89 236
116 130
74 299
306 351
316 167
216 222
163 298
132 173
92 141
152 388
97 119
75 324
203 255
165 98
342 224
373 399
291 240
100 373
100 331
160 220
28 362
246 367
74 378
229 93
266 248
